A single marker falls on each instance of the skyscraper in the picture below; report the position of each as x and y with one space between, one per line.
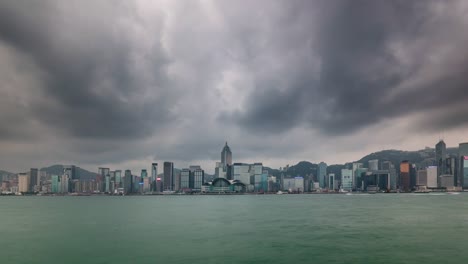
226 156
440 160
322 174
374 165
128 182
432 177
463 157
405 181
33 179
168 179
23 182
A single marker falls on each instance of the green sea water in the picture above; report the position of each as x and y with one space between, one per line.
379 228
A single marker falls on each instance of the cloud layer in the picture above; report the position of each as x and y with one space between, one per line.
124 83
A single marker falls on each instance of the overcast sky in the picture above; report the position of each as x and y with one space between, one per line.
124 83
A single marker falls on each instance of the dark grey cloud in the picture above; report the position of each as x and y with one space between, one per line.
90 80
375 64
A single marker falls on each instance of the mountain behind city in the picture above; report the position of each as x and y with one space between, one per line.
421 158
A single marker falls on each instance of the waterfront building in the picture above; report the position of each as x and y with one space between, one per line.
421 178
440 149
70 170
432 177
463 164
101 179
197 178
168 178
128 182
221 185
23 182
322 174
298 184
176 182
332 182
447 181
346 179
359 175
118 179
33 179
185 180
356 166
405 180
374 165
452 168
64 183
154 175
248 173
55 187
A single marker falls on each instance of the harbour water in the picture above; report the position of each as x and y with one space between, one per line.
379 228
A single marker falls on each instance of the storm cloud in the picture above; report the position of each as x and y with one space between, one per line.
123 83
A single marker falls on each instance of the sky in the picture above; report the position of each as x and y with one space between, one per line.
126 83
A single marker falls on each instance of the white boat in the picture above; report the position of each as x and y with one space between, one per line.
279 192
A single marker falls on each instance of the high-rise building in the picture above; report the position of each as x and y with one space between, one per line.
33 179
451 165
101 178
421 179
405 174
197 178
168 179
226 156
374 165
23 182
331 182
432 177
55 186
118 179
185 179
463 164
322 174
154 175
70 170
128 182
355 167
347 179
440 160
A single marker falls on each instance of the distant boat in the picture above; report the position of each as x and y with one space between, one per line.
279 192
453 193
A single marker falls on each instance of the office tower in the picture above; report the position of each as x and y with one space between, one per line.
64 183
118 179
463 164
33 179
55 187
176 182
421 179
226 156
405 181
447 181
128 182
355 167
168 179
440 159
70 170
432 177
101 178
154 175
451 165
185 179
388 166
347 179
359 175
331 181
322 174
23 182
374 165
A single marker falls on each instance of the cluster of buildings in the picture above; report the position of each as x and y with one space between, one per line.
450 172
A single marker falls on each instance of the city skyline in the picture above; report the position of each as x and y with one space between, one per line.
122 84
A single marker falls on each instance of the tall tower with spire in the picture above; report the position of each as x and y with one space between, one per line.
226 156
440 160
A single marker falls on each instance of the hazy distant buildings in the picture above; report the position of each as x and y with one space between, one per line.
322 174
331 182
168 178
440 149
446 181
356 166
